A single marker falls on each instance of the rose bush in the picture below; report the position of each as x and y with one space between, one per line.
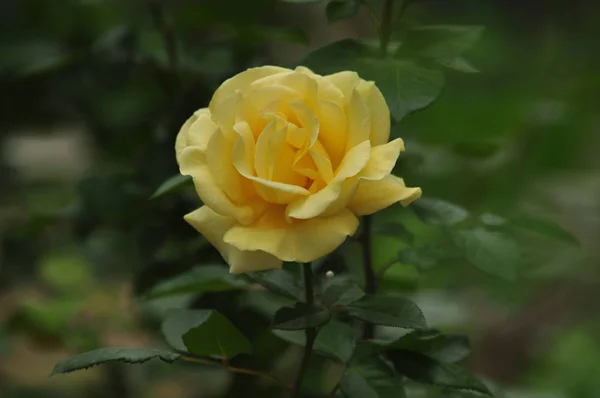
285 160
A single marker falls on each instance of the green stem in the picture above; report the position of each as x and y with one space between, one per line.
311 333
370 279
386 25
229 368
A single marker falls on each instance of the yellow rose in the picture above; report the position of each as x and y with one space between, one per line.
285 160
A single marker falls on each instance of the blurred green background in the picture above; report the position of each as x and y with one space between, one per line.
93 92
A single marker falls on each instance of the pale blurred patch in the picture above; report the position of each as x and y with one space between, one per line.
64 154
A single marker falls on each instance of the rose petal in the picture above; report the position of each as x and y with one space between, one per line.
213 227
302 241
378 110
318 203
193 163
383 159
373 196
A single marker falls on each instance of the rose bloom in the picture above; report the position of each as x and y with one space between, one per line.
285 160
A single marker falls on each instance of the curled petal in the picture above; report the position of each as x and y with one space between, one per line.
344 81
270 191
196 131
333 130
302 241
375 195
383 159
213 227
319 202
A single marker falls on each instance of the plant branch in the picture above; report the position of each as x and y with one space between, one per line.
370 280
311 333
229 368
383 269
165 26
386 25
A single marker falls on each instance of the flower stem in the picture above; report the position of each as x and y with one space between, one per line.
311 333
370 279
387 15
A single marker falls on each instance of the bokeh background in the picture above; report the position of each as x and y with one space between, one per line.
93 92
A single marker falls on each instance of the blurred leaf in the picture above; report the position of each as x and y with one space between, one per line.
216 336
103 355
335 340
287 34
424 369
171 185
201 279
300 1
389 311
493 252
29 58
544 227
371 378
341 9
341 291
301 316
443 348
279 281
439 212
418 257
406 86
66 271
395 230
441 41
458 64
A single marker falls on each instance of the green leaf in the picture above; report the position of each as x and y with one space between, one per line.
371 378
335 340
103 355
203 332
493 252
389 311
216 336
544 227
341 291
443 348
440 212
441 41
301 316
171 185
279 281
406 86
424 369
300 1
341 9
202 279
459 64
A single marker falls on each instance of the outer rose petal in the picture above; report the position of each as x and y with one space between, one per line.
380 113
303 241
196 131
242 81
373 196
192 162
214 226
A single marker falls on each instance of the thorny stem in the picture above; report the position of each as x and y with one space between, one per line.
311 333
370 280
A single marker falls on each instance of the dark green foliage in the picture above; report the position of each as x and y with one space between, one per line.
103 355
389 311
424 369
342 9
301 316
371 378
